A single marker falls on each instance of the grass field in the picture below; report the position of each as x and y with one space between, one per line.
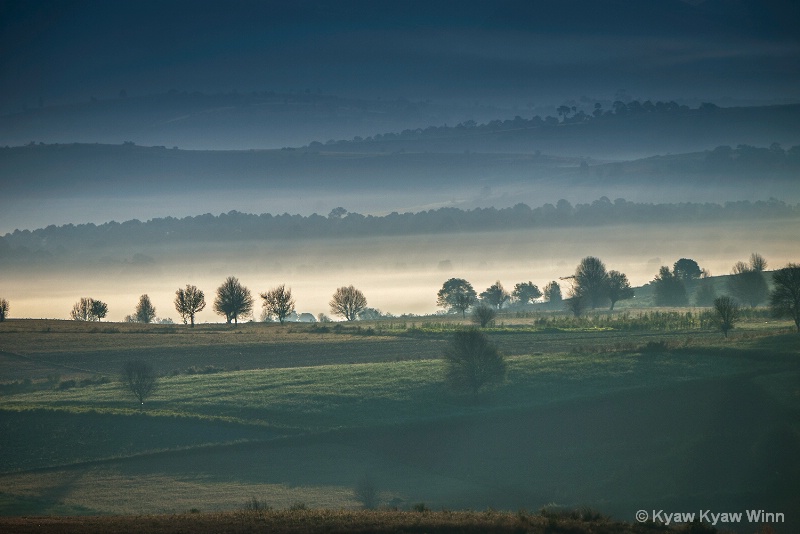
591 414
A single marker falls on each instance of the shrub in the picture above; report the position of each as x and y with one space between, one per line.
483 315
472 362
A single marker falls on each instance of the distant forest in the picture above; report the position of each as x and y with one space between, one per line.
23 245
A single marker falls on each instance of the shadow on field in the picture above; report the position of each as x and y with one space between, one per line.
723 445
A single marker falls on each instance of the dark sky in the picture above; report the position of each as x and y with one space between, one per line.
520 51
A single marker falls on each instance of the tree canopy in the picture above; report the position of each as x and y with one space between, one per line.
233 300
456 295
278 302
348 302
189 302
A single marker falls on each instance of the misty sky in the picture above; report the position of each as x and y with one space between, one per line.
514 51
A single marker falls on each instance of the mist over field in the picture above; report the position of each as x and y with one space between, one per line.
147 147
399 274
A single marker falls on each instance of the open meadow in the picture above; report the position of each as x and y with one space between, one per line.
615 412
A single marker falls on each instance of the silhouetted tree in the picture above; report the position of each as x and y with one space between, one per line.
495 295
145 312
784 300
687 270
618 287
526 292
483 315
140 378
82 310
347 302
3 309
98 309
590 282
233 300
472 363
456 294
278 302
726 313
668 289
189 302
552 293
747 282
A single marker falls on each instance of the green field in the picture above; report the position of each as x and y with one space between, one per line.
615 412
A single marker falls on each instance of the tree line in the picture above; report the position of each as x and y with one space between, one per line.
44 243
592 285
232 301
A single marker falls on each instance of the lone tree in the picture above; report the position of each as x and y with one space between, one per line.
526 292
495 295
233 300
472 363
590 282
88 309
726 313
618 287
347 302
483 315
669 290
456 295
3 310
189 302
747 282
140 378
145 311
278 302
784 301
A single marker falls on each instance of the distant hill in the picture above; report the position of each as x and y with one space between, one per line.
229 121
86 241
625 131
57 171
603 130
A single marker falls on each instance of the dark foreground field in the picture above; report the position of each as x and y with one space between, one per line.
671 417
331 522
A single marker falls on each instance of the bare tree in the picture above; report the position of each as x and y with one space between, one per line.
483 315
140 378
145 312
472 363
456 295
189 302
726 313
347 302
233 300
82 310
278 302
3 309
784 300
